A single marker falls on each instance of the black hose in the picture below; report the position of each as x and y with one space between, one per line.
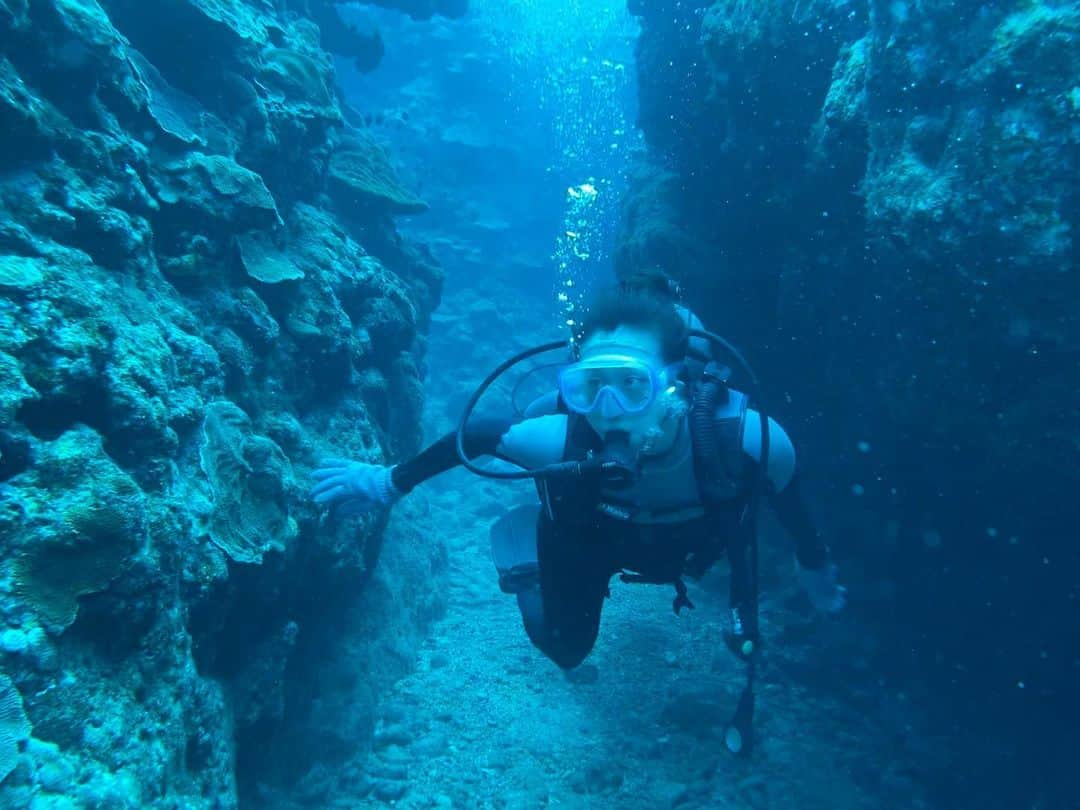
470 406
520 412
742 721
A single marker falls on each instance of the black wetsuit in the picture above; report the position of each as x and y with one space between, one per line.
580 548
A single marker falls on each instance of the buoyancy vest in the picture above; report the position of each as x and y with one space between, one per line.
710 473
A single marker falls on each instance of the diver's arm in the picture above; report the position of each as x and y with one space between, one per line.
790 508
529 444
785 496
535 442
375 486
482 438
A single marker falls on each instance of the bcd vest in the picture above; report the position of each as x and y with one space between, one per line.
715 422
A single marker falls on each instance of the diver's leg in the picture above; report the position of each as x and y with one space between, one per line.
562 611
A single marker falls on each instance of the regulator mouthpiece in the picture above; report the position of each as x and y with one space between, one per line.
618 458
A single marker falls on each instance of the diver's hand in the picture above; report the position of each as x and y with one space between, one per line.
820 584
368 486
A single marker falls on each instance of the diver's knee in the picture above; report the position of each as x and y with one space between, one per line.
567 653
566 658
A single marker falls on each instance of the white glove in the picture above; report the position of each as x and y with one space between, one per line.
368 486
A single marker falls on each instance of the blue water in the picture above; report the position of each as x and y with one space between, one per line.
496 117
246 245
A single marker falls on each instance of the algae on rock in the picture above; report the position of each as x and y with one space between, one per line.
83 518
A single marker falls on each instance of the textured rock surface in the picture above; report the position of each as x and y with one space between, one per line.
190 313
364 46
423 9
886 191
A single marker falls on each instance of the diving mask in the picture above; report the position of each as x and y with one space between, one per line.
615 383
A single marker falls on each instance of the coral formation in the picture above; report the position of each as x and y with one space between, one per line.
177 113
188 316
83 517
246 474
361 175
14 727
263 261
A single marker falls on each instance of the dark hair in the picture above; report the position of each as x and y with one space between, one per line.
652 281
617 306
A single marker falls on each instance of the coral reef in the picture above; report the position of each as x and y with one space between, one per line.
361 175
246 474
83 517
920 158
14 727
191 310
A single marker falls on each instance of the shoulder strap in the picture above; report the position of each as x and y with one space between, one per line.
717 414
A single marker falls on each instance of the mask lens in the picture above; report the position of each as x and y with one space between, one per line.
630 382
633 388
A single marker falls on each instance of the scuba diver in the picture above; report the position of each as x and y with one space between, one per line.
643 468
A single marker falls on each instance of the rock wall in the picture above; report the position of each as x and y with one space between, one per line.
201 291
364 45
878 202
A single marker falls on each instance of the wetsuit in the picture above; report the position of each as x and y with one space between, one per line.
658 528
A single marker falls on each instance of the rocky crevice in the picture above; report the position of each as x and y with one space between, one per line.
883 192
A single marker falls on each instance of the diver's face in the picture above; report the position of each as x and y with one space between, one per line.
642 345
